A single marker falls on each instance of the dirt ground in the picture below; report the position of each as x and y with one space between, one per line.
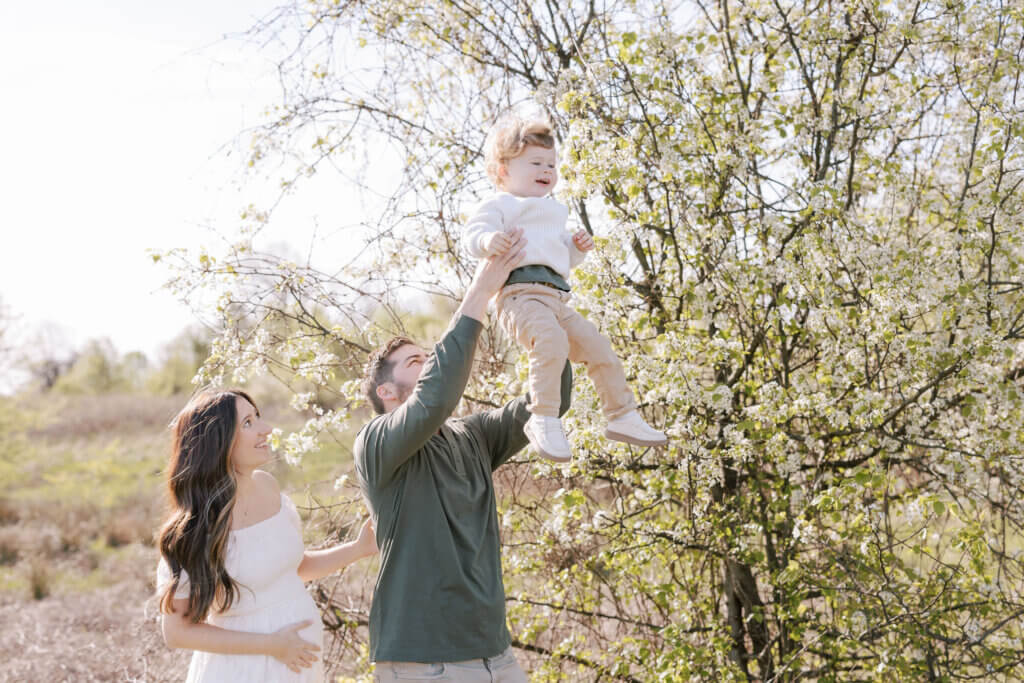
109 634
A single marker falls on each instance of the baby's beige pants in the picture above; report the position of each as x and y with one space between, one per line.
540 319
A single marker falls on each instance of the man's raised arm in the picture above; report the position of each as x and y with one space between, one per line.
384 444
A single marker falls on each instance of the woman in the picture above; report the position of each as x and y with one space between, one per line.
230 578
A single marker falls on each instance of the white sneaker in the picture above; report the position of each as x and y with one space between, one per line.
546 436
631 428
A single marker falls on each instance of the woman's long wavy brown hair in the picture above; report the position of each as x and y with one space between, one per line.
201 488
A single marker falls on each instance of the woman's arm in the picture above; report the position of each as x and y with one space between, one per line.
317 564
284 644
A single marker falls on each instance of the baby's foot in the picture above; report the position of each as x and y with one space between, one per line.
631 428
546 435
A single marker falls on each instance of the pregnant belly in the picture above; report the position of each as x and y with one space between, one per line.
268 618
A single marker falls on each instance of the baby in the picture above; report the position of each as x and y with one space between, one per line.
533 305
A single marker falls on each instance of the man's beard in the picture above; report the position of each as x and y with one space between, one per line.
404 391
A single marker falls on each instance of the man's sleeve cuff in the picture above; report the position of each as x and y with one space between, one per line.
467 327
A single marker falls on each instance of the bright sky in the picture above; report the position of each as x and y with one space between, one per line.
114 119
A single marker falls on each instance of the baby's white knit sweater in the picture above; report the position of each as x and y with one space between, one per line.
548 242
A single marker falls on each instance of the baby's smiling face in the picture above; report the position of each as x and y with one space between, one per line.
533 173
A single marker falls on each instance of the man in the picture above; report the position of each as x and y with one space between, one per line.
439 604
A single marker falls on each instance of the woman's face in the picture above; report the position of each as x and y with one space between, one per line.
250 448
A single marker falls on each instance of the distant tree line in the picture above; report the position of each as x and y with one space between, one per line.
98 368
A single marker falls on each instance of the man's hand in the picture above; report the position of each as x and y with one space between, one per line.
490 275
497 243
583 241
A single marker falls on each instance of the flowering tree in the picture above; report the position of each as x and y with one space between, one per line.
809 257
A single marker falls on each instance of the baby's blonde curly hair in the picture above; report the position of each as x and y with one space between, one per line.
509 137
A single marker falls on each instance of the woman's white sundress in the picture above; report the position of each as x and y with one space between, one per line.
263 559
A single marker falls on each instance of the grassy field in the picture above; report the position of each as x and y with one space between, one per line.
81 495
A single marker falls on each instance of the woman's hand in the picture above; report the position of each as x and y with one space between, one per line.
366 542
583 240
291 650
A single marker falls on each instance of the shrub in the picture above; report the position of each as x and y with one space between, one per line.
39 578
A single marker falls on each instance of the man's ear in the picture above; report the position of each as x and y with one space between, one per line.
386 392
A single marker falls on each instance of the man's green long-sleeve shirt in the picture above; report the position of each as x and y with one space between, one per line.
427 478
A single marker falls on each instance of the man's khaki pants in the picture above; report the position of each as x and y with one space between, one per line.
551 331
501 669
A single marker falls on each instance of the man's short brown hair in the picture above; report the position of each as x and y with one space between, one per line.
380 369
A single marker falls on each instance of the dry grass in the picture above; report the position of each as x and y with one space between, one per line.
96 635
81 417
78 505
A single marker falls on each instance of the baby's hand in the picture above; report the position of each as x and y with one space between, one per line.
583 240
497 243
